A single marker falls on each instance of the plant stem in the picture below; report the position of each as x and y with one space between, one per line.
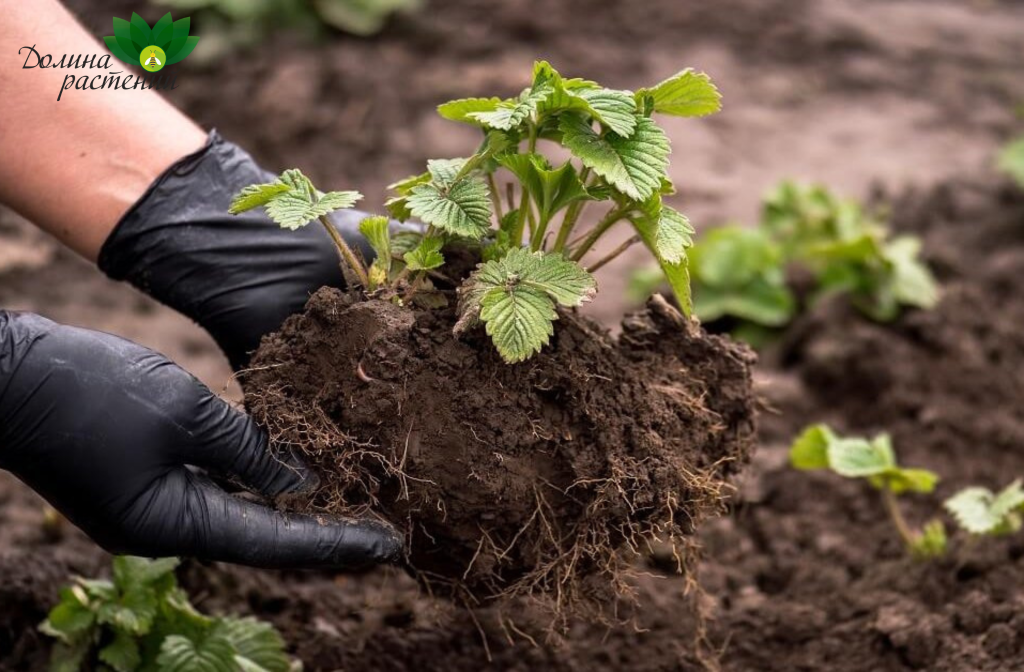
614 253
892 506
613 216
495 196
347 255
571 216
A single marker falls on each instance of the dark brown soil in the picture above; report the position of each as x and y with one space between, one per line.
805 574
510 480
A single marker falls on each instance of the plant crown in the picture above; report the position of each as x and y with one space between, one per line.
142 620
618 155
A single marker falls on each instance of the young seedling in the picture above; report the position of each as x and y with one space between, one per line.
738 274
141 620
848 251
979 511
818 447
535 258
1011 160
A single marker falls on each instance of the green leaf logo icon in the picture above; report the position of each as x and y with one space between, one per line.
166 43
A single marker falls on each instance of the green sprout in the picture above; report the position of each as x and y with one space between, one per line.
848 251
818 447
141 620
979 511
131 37
740 274
534 256
1011 160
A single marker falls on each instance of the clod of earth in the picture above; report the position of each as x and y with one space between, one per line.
542 478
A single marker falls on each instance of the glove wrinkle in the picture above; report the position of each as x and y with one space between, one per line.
105 429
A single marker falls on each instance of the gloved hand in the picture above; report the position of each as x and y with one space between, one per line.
104 428
238 276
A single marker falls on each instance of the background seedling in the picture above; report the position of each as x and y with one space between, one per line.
534 257
141 620
739 274
1011 160
818 447
980 511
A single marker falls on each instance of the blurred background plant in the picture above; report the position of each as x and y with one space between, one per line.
231 25
809 243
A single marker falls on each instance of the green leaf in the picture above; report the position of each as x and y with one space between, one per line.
443 172
980 511
759 301
375 230
810 449
634 165
519 321
648 226
900 480
404 187
931 542
213 653
71 617
671 232
133 612
398 208
614 109
122 653
912 283
856 457
256 195
551 189
426 256
515 296
292 201
511 114
463 209
1011 160
461 109
69 658
684 94
256 642
335 200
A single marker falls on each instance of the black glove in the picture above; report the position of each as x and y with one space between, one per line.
104 428
238 276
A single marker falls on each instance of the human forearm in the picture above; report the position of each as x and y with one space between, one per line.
74 167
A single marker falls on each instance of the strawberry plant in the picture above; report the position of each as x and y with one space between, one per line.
535 258
141 620
980 511
818 447
849 251
739 274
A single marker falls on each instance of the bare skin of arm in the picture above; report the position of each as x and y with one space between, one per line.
75 166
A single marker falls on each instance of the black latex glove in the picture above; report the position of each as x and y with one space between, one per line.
239 276
104 428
